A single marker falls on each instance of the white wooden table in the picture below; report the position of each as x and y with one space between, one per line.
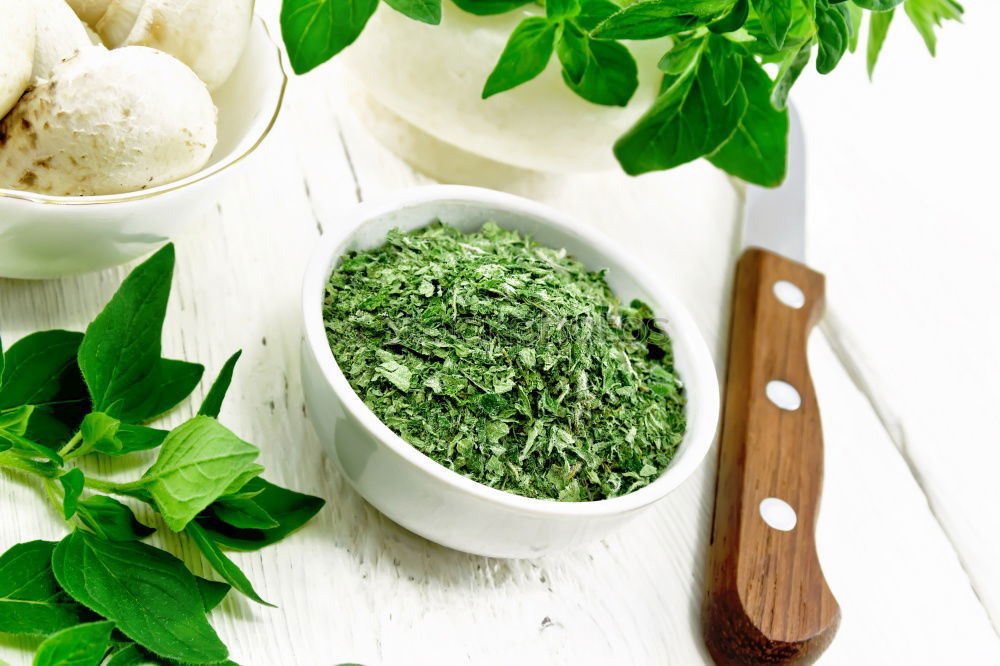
906 371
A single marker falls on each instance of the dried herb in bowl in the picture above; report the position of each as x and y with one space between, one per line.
507 362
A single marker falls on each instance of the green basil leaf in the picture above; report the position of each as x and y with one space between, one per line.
34 365
734 20
425 11
788 72
757 150
316 30
877 5
651 19
149 594
128 655
592 12
687 121
224 566
31 601
82 645
292 510
489 7
212 404
72 483
561 9
602 72
833 31
525 56
878 28
775 18
110 519
212 592
925 15
198 461
243 513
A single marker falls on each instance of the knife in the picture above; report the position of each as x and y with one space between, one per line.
766 601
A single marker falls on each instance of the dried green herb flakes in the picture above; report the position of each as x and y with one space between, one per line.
507 362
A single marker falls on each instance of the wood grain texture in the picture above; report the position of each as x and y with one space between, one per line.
354 587
766 600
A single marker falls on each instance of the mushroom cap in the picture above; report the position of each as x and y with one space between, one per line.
59 35
108 122
207 35
89 11
17 51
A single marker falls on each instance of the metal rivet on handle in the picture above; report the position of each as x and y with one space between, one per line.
789 294
783 395
778 514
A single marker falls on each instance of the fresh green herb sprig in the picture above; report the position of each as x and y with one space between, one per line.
716 100
101 595
507 362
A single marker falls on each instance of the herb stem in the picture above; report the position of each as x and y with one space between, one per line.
124 489
71 444
13 461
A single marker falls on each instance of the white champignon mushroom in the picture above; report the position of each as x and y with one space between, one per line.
59 35
89 11
207 35
17 51
108 122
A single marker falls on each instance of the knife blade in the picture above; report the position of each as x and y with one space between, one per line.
766 599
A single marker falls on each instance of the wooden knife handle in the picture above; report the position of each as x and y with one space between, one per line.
766 601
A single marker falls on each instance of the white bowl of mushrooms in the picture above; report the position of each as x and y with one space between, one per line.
119 120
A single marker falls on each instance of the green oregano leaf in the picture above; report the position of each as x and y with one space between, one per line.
316 30
72 483
110 519
212 592
524 57
82 645
290 509
732 21
425 11
120 352
833 32
31 601
244 513
489 7
561 9
757 150
690 119
224 566
926 15
198 462
34 366
602 72
149 594
775 18
652 19
792 65
878 29
877 5
213 400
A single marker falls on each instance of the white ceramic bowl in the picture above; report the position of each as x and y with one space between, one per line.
45 236
422 495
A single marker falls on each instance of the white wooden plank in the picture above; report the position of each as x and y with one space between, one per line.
903 219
